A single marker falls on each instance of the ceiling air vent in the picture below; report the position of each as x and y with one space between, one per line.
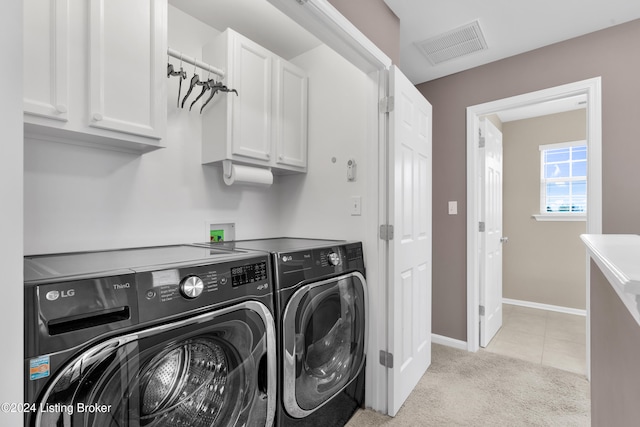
453 44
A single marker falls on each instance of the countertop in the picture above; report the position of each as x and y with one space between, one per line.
618 256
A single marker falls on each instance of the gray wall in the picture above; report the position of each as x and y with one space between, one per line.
544 261
610 53
615 346
376 21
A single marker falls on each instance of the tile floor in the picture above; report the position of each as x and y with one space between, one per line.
541 336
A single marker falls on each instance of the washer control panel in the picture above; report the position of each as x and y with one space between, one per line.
173 291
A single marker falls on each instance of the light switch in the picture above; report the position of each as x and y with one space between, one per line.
453 208
356 206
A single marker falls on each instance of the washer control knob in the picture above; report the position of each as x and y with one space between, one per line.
333 258
191 287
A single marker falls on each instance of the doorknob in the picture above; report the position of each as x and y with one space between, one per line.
504 239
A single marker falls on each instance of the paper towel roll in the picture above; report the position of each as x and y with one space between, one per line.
240 174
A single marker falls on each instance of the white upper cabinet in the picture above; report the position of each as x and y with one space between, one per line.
46 59
94 72
266 123
250 74
290 113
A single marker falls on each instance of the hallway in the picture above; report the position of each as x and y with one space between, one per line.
541 336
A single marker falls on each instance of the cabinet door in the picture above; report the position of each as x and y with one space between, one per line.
46 58
127 50
291 115
250 73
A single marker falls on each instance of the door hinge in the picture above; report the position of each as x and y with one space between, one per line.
481 226
386 359
482 310
386 232
387 104
481 140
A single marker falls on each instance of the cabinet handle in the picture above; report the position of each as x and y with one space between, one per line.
60 108
97 117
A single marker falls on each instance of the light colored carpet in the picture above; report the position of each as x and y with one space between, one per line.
488 389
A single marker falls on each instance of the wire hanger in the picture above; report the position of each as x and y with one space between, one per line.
208 85
194 81
218 86
182 75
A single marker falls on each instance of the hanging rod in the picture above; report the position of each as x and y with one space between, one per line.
174 53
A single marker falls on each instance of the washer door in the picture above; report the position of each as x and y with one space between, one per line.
214 369
324 341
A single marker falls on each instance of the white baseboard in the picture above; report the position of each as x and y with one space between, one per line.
549 307
449 342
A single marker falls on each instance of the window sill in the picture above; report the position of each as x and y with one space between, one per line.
559 217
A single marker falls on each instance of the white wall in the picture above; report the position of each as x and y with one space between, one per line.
79 198
11 312
317 204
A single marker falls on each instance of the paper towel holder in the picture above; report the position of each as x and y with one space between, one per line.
226 168
227 165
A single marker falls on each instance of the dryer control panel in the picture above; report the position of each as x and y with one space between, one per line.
295 267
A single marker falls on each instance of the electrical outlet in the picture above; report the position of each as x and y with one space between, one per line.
356 205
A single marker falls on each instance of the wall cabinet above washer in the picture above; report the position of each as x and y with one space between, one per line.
94 72
266 123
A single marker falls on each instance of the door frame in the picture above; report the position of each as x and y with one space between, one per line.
324 21
592 88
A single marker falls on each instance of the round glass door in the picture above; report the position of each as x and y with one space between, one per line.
324 341
217 369
196 382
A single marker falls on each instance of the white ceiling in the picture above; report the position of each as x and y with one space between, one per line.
509 27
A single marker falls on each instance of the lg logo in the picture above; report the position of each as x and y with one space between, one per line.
54 295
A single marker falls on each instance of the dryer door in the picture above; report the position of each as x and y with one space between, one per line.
217 368
324 341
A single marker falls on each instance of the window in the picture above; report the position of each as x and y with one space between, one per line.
563 179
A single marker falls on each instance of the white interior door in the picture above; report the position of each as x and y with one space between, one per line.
410 248
491 238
